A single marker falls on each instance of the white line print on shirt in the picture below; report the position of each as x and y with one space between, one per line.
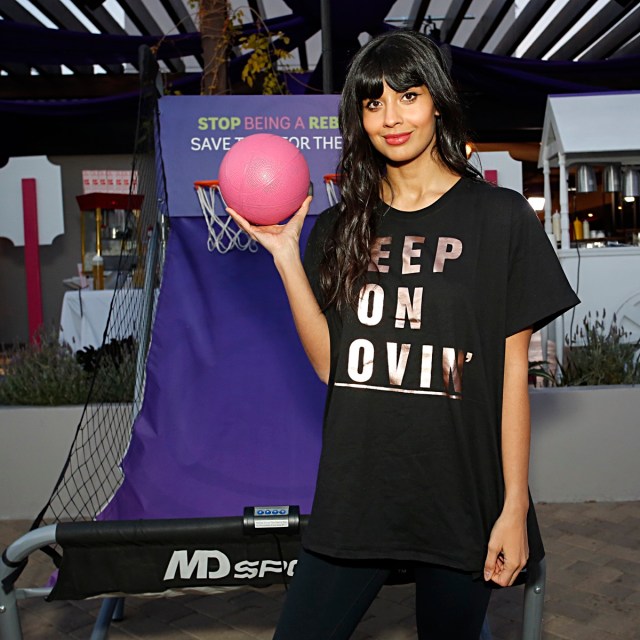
423 392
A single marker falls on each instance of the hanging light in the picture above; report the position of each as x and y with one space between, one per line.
611 178
630 183
586 179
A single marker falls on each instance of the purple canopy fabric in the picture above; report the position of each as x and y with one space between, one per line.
232 414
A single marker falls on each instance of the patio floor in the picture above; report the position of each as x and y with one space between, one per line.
593 592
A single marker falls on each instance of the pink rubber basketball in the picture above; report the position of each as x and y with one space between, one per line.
264 178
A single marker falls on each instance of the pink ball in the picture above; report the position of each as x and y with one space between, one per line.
264 178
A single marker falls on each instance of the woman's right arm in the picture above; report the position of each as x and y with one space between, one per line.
283 242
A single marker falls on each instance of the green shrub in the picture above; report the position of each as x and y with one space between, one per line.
49 373
114 366
596 356
540 369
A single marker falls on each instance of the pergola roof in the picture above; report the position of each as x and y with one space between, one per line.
563 29
69 67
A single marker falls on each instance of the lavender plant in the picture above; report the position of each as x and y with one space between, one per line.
597 356
49 373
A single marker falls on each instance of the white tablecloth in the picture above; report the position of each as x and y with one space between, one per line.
84 316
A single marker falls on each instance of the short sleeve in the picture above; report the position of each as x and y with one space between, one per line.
537 290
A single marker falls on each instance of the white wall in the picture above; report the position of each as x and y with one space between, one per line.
509 170
604 278
585 444
35 445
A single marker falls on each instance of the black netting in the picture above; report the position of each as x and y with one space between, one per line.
92 473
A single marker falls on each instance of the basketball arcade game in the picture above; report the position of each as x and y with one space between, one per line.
208 480
224 449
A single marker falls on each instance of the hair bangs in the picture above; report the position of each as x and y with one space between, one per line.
390 64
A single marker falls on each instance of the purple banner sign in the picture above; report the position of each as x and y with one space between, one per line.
196 132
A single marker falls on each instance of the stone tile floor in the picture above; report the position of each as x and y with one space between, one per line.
592 593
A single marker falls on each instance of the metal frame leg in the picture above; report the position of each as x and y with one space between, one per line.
14 554
118 613
9 617
534 602
111 609
485 632
533 605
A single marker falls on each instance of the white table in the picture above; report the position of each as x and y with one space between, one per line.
85 312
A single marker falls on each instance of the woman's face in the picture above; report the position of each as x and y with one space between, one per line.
401 125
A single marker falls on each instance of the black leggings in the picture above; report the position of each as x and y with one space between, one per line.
328 598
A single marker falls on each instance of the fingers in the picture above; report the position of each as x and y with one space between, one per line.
501 569
491 563
245 225
302 212
251 230
306 203
512 570
508 575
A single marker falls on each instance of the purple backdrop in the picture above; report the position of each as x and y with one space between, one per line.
232 413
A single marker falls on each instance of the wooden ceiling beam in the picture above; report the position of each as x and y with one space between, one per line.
11 10
451 23
417 14
138 13
179 14
598 25
487 24
559 26
608 45
60 15
521 26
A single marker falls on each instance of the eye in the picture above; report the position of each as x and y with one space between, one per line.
372 105
410 96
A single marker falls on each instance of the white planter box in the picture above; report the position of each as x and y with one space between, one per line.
585 443
35 445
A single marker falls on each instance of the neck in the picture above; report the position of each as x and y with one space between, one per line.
410 188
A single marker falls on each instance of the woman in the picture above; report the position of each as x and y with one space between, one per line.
416 303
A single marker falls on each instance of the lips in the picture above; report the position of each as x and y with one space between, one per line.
396 139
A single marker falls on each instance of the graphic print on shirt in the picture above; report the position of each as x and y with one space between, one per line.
387 351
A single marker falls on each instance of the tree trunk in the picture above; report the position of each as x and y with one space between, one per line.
214 31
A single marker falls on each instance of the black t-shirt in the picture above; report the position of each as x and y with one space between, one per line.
411 460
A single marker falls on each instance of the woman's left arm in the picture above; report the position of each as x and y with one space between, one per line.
508 549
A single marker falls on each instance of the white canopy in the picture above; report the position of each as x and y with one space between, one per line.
597 128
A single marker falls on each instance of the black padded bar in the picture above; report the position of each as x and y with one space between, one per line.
189 530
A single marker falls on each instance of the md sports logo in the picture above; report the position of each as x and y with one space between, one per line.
211 564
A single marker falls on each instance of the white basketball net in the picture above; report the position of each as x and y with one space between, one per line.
224 233
331 184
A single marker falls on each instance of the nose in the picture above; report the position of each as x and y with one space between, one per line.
392 115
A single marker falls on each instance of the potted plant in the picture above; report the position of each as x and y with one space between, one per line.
599 356
585 426
43 390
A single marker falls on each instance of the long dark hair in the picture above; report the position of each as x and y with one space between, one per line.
403 59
